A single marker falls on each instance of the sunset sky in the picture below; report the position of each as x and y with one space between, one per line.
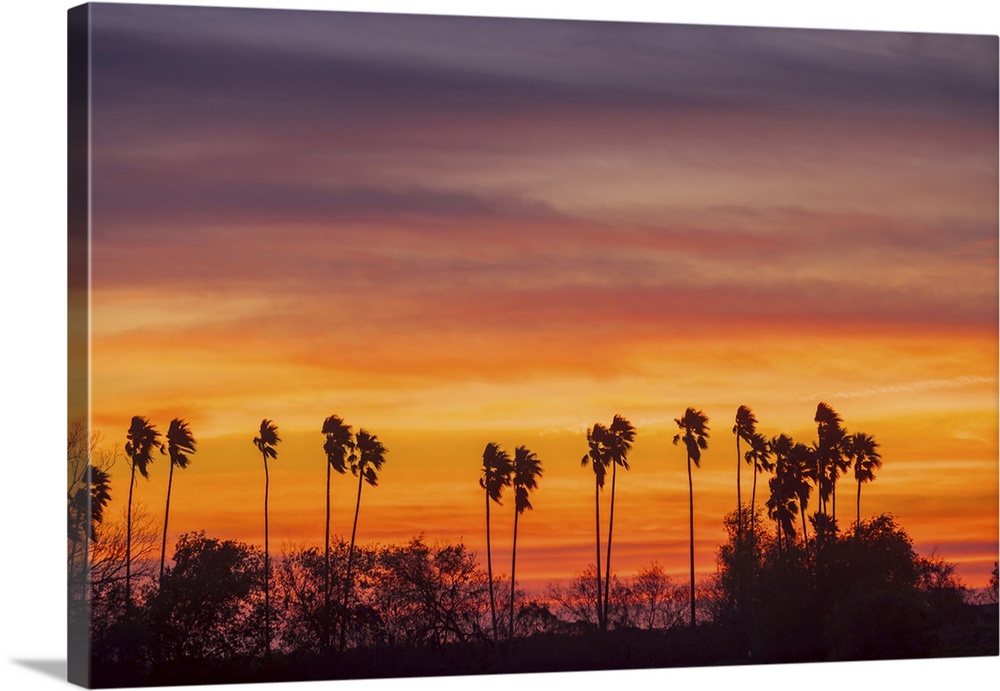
452 231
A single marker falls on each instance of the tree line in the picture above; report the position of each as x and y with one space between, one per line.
306 580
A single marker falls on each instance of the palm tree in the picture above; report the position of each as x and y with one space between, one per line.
620 438
801 468
365 465
265 443
863 451
745 428
180 443
759 456
597 456
781 506
141 439
497 471
527 470
695 427
830 462
339 448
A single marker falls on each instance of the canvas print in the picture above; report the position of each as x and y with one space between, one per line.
407 346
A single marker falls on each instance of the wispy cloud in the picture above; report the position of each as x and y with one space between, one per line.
921 386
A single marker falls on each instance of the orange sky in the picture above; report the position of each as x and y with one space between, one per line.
463 237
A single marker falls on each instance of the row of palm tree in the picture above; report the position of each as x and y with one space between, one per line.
364 455
799 469
608 447
521 473
142 439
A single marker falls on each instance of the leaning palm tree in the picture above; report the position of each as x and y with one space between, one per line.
339 448
141 439
745 428
265 443
180 444
365 465
621 434
863 451
695 427
599 459
527 470
497 472
758 456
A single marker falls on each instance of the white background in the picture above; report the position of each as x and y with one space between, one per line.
32 331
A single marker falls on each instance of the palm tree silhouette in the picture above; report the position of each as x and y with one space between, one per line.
527 470
758 456
339 448
745 428
621 434
180 443
365 465
141 439
695 437
863 451
597 456
801 469
781 506
497 472
830 460
265 443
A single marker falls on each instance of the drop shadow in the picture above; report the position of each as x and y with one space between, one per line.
50 668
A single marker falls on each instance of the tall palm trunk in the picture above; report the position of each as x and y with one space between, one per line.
607 571
805 537
350 563
166 518
489 568
326 571
691 505
513 564
739 500
128 548
267 567
753 504
597 515
857 522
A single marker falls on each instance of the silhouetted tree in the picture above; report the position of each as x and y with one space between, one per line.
339 448
862 451
527 470
428 595
365 465
180 444
745 429
759 457
655 600
88 494
141 439
621 434
694 424
599 459
781 505
801 470
830 461
207 605
497 472
265 442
